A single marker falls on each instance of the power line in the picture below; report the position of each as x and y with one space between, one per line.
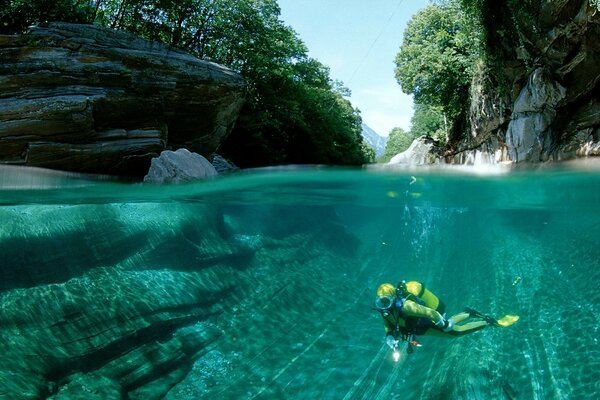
360 64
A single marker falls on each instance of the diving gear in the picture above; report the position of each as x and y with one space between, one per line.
448 326
384 302
504 322
417 292
391 342
507 320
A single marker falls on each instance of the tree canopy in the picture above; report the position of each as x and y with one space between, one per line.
398 141
435 63
429 121
295 113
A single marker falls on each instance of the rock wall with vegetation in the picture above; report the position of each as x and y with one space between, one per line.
90 99
535 96
504 80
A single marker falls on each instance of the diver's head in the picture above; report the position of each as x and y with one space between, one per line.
386 293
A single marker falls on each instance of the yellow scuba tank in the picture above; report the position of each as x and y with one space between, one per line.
427 298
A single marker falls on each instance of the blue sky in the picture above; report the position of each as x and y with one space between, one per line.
358 40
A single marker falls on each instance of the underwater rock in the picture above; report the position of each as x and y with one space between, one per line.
179 166
89 99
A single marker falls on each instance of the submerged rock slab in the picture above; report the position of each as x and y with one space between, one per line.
89 99
124 300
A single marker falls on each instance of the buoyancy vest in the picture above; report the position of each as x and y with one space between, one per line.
417 292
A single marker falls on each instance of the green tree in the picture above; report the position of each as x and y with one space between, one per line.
398 141
369 152
429 121
436 60
17 15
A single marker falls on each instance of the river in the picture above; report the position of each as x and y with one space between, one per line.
260 285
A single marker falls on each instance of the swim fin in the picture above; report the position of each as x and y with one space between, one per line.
503 322
507 320
474 313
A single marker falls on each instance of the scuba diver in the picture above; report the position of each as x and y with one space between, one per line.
410 310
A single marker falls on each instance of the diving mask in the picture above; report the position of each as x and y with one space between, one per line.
384 302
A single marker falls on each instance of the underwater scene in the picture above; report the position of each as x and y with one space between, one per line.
261 284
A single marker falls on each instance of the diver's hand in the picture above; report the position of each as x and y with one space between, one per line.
391 342
449 325
445 324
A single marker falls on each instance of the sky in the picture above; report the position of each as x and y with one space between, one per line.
358 40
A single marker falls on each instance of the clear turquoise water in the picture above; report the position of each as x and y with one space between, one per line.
260 285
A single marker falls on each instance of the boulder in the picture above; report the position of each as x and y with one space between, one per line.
89 99
179 166
222 165
419 153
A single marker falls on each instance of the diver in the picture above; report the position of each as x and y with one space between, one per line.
410 310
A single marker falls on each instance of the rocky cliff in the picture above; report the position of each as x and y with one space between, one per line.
89 99
544 102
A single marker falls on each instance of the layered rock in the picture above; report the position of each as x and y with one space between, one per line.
89 99
547 108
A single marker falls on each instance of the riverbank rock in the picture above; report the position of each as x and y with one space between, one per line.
179 166
418 153
89 99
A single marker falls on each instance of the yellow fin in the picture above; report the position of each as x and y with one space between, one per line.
508 320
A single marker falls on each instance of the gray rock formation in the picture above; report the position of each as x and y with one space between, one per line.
548 108
534 111
179 166
222 165
418 153
89 99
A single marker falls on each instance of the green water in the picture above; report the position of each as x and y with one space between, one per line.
260 285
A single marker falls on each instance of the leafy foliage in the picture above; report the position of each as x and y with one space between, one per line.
429 121
436 58
398 141
17 15
294 112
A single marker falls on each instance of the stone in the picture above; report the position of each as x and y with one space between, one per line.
89 99
222 165
179 166
419 153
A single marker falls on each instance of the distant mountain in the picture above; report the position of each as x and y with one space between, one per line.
373 139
